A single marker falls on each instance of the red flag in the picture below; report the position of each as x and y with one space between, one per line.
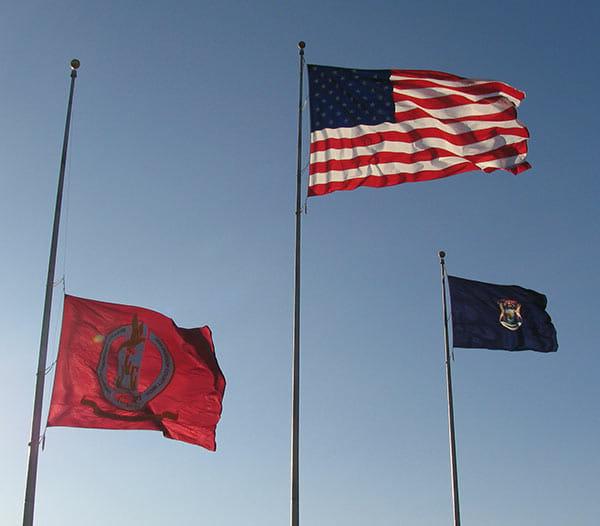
125 367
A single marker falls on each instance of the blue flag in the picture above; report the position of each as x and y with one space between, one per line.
489 316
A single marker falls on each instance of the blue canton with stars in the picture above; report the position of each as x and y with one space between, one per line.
341 97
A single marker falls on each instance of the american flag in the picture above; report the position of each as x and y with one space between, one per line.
386 127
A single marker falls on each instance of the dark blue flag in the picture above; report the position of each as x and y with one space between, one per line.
489 316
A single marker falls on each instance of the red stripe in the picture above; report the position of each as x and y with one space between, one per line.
476 89
520 168
446 101
390 180
409 158
417 113
460 139
387 180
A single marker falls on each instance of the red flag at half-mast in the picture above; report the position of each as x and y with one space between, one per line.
125 367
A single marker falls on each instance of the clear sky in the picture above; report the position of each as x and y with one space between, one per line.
180 198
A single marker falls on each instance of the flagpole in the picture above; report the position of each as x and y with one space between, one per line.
34 444
294 511
455 503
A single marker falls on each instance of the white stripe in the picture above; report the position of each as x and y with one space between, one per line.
413 147
383 169
505 162
455 128
432 93
380 170
458 112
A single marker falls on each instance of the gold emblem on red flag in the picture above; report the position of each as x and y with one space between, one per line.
125 347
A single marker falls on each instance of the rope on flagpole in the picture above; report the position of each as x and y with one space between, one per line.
67 206
49 368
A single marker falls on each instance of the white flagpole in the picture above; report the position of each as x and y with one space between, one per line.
453 468
34 444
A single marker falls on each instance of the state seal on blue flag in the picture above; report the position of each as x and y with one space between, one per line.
507 317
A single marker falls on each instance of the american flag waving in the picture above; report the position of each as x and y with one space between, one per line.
385 127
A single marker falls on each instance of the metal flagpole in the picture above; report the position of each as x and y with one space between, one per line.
34 444
455 503
294 511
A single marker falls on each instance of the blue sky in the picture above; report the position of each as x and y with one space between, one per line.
180 198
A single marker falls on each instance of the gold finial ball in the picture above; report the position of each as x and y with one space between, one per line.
302 44
75 64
